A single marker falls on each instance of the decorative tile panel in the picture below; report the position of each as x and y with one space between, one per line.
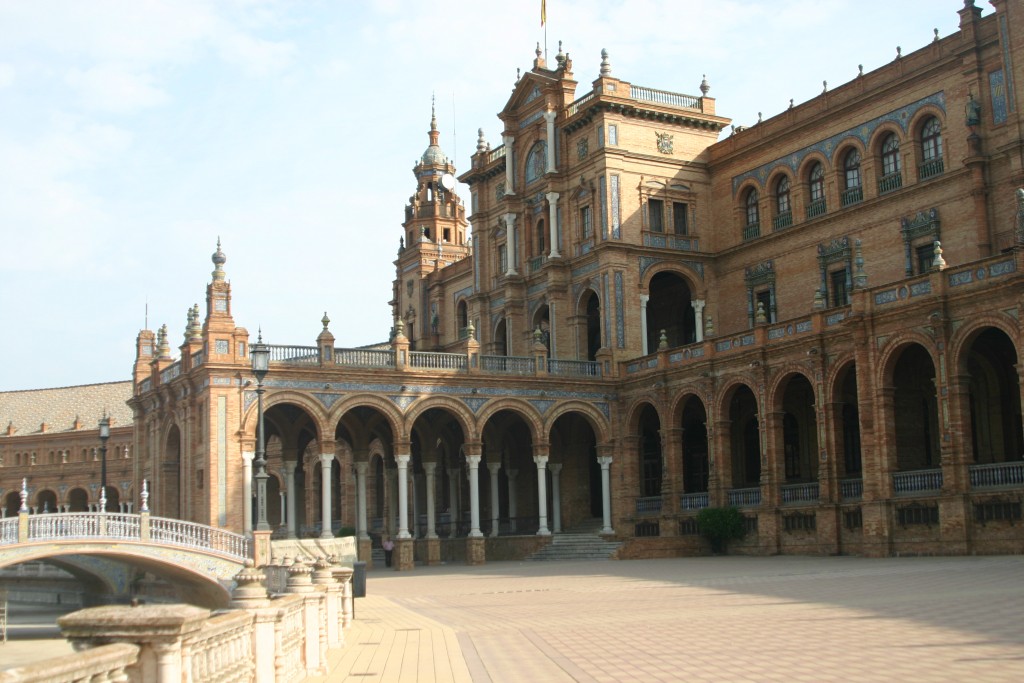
920 288
620 325
886 297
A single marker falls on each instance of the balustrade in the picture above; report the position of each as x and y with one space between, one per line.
782 221
575 106
851 489
198 536
222 651
751 231
367 358
745 497
574 368
437 361
67 525
816 208
891 182
997 474
800 493
102 663
854 195
295 355
930 169
672 99
693 501
508 365
649 505
917 481
8 530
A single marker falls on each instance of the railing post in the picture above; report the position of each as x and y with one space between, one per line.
144 526
22 526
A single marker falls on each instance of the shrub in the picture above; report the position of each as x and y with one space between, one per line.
346 531
719 526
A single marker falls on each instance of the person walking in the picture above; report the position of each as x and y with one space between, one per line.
389 547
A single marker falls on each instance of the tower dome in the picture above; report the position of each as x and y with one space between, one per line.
433 156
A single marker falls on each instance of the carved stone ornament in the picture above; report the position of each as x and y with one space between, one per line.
664 143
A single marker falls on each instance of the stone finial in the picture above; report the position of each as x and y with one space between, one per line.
819 299
860 278
538 51
537 335
560 57
145 497
606 66
662 341
935 38
481 141
519 74
759 117
899 52
219 259
860 70
24 495
299 577
939 263
471 331
249 587
399 327
325 321
197 328
709 326
162 343
704 87
322 572
824 86
188 324
790 102
761 317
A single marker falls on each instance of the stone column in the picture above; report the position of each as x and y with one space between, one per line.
542 494
698 318
553 223
289 480
509 169
326 460
428 468
474 495
361 469
644 298
549 118
510 244
403 495
511 476
494 467
605 461
556 498
453 496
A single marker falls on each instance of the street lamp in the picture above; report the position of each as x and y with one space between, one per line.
104 435
260 354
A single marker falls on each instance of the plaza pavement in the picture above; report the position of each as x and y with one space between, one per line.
692 619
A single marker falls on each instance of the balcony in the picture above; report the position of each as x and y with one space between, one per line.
693 501
816 208
930 169
851 489
997 475
782 221
574 368
890 183
745 497
800 493
508 365
854 195
650 505
751 231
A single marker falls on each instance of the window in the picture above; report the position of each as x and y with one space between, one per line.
925 258
679 218
656 215
839 294
539 242
600 136
613 134
782 196
816 186
586 224
502 258
891 179
753 217
536 161
852 191
931 149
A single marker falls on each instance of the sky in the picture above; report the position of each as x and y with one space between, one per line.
135 133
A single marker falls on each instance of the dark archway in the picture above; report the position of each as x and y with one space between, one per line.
78 500
507 439
745 439
799 431
916 415
695 446
994 398
169 497
574 446
590 310
669 309
651 463
12 503
46 501
849 422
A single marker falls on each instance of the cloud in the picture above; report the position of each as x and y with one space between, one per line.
116 88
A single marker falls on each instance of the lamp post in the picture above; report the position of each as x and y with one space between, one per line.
260 354
104 435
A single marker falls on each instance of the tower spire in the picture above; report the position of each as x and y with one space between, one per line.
433 121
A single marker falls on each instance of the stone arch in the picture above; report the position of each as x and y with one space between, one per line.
841 149
690 414
919 118
964 337
748 184
894 347
459 410
777 385
520 407
388 409
598 421
306 402
46 497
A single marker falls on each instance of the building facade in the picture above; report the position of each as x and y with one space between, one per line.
815 319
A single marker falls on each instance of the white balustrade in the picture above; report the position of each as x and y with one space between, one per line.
365 358
800 493
997 474
437 361
198 536
750 497
574 368
222 651
851 489
648 505
693 501
508 365
8 530
913 482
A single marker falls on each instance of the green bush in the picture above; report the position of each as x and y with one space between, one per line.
346 531
719 526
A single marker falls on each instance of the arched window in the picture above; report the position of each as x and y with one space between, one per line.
931 149
783 212
753 226
891 178
538 241
816 186
853 192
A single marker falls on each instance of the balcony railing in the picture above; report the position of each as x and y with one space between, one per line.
575 106
664 97
854 195
751 231
365 358
496 153
437 361
295 355
651 505
693 501
782 221
851 489
800 493
574 368
508 365
904 483
891 182
536 263
816 208
745 497
930 169
997 474
170 372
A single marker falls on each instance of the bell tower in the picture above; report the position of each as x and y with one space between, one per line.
434 237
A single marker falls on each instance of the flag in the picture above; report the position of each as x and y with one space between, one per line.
543 11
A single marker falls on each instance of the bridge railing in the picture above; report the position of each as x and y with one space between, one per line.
8 530
198 536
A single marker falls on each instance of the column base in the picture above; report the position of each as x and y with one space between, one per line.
433 548
403 555
476 551
364 551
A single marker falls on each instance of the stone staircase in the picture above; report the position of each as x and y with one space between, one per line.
582 542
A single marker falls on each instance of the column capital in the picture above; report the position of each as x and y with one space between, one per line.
494 467
540 460
473 461
429 467
472 448
289 466
362 467
326 458
510 219
604 461
644 298
508 139
555 467
402 459
552 197
247 457
550 115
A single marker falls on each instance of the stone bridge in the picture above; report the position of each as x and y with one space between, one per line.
201 560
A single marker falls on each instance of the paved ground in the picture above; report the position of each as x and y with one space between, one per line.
697 619
32 636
